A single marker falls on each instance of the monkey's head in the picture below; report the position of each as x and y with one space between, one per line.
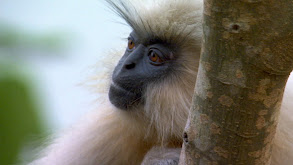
143 62
157 73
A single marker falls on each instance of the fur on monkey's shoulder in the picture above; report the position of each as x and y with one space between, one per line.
162 156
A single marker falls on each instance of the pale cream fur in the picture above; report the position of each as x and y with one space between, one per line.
109 136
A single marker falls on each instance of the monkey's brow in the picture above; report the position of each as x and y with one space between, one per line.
130 36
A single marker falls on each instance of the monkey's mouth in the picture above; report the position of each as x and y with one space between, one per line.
122 98
118 87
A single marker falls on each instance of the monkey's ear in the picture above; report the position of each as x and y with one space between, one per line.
161 155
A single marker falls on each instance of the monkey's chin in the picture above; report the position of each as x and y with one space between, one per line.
123 99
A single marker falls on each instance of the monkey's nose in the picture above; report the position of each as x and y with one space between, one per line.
130 66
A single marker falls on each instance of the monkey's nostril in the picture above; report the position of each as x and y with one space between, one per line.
130 66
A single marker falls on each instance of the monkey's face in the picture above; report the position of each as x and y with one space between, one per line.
141 65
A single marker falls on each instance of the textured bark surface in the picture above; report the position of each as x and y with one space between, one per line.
246 58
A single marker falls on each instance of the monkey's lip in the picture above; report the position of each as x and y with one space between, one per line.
122 98
130 91
118 87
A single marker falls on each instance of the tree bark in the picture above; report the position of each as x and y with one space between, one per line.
247 56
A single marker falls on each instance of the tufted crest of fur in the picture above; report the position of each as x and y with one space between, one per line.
171 21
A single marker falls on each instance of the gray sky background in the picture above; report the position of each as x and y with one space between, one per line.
93 30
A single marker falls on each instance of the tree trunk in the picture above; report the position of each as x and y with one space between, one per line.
247 56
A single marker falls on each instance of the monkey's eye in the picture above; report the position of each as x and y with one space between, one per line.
154 57
131 44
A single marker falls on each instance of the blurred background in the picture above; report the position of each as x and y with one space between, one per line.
47 49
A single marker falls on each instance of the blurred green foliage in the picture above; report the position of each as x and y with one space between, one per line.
14 38
19 119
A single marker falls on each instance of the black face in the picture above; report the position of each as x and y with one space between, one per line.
141 64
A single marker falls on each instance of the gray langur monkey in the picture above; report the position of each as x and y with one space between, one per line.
150 93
